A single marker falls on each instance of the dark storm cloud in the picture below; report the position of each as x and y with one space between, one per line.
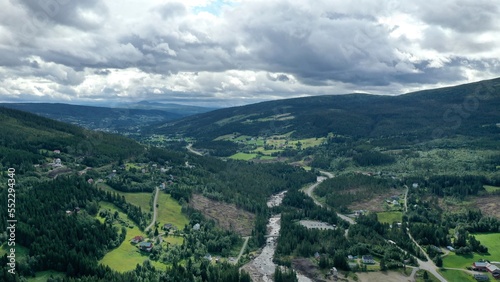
257 47
334 47
82 14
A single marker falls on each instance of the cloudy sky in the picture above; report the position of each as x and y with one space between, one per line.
234 52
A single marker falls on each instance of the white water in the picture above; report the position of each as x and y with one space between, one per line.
264 262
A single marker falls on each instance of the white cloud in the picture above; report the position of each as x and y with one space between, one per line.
242 50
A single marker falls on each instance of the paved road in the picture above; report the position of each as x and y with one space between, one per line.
429 264
190 149
309 191
242 249
155 210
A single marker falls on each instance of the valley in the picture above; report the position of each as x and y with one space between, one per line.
270 192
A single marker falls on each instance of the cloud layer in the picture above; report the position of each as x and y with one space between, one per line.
241 51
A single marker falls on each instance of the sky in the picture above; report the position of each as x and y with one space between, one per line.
225 53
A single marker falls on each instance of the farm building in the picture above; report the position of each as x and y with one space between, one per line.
494 270
479 266
145 246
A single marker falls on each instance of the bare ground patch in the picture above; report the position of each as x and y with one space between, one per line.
307 268
489 205
228 216
385 276
375 203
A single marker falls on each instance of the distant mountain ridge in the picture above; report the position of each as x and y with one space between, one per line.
468 109
127 118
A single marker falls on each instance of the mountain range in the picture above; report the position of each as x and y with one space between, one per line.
469 109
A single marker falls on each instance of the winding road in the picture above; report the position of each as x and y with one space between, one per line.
190 149
309 191
155 210
426 265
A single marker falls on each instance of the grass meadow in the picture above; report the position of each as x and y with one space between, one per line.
390 217
491 240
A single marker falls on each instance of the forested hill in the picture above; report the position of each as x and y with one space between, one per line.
24 137
469 109
100 118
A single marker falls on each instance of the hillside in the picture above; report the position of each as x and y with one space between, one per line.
26 138
81 196
469 109
122 120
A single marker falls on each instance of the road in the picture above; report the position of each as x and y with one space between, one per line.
406 198
190 149
155 210
309 191
242 249
426 265
429 264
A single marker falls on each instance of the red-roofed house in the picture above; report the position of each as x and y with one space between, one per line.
137 239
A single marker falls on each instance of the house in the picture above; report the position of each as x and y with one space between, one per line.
396 203
317 255
494 270
57 151
414 185
481 277
334 272
350 257
90 181
137 239
358 213
169 226
208 257
145 246
57 162
367 259
68 212
479 266
196 226
450 248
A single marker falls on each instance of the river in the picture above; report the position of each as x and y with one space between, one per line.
262 267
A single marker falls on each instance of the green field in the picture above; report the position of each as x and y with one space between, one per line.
21 252
43 276
128 166
456 275
126 256
138 199
420 277
267 158
491 189
390 217
169 211
243 156
492 241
